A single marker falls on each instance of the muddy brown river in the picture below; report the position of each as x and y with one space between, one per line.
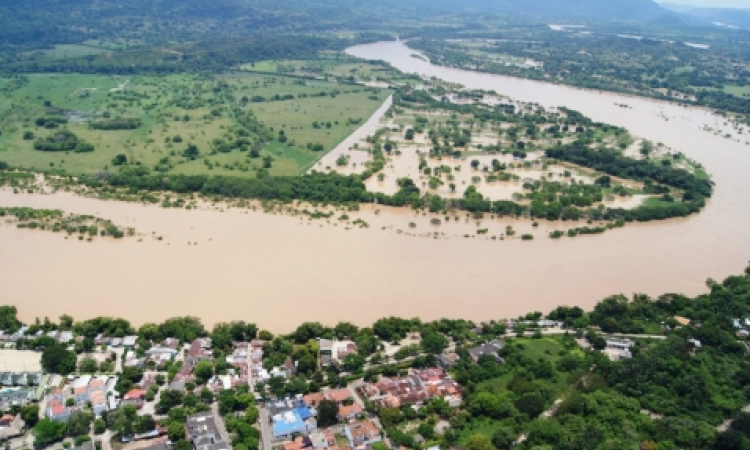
279 271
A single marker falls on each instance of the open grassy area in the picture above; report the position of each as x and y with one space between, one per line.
332 65
235 121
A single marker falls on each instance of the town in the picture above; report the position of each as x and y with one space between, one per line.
102 385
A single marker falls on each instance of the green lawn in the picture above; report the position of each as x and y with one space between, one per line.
480 426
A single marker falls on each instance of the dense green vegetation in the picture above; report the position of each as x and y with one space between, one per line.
660 65
56 221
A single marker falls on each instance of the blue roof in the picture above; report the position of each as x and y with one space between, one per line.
281 427
304 413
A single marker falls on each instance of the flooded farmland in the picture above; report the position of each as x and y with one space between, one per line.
279 270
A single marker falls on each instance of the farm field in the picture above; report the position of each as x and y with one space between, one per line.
233 124
334 65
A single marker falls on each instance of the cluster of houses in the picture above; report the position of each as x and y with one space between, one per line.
491 349
295 416
63 337
360 435
200 350
296 419
259 373
414 389
98 392
349 408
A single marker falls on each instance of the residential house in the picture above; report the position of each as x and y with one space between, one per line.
64 337
291 416
171 343
619 348
98 400
81 395
349 412
449 360
136 398
291 422
11 427
344 349
491 348
362 433
322 440
204 433
58 412
290 366
340 396
326 345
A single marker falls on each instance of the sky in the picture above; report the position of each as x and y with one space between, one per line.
713 3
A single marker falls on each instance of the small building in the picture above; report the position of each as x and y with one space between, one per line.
449 360
204 433
362 433
291 422
491 348
6 420
98 400
326 345
620 344
135 398
58 413
349 412
11 427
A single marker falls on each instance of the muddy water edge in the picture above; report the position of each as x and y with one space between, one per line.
279 270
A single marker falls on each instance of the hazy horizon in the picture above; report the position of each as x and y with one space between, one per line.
712 3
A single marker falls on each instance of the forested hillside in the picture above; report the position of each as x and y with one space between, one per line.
26 25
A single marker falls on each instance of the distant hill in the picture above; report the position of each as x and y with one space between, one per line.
32 22
738 17
678 7
602 10
729 16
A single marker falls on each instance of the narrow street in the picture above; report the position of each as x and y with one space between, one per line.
266 434
220 421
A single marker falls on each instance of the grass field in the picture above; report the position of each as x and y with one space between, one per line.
335 65
181 109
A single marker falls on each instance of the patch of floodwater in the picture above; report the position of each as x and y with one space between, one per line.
279 271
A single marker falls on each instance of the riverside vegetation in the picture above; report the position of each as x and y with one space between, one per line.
546 392
647 60
564 165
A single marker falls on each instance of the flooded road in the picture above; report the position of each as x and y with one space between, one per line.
278 271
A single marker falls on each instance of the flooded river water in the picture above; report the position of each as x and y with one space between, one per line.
279 271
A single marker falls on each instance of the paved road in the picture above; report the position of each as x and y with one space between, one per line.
266 434
219 421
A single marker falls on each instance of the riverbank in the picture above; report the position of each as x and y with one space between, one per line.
280 271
